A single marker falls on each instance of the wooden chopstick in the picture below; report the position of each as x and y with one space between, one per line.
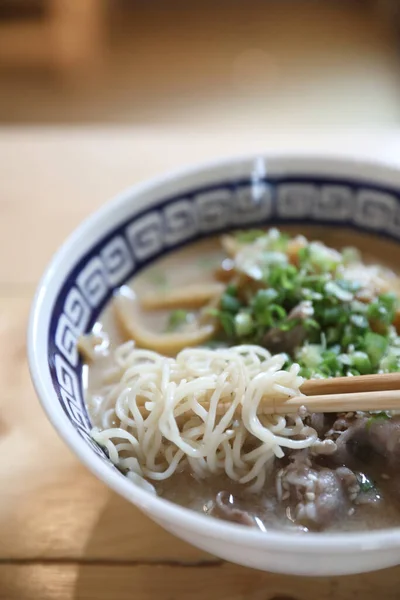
347 385
336 403
340 394
332 403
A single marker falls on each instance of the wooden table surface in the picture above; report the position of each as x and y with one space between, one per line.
63 534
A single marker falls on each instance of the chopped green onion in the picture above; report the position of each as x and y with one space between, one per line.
333 315
381 416
277 312
272 239
311 294
366 484
375 346
272 258
306 373
349 335
270 315
320 258
231 290
391 362
383 309
342 336
176 319
332 288
359 307
390 300
331 361
335 349
332 335
361 362
263 298
304 255
311 324
244 324
352 372
345 359
310 355
228 323
230 303
277 240
289 324
348 285
359 321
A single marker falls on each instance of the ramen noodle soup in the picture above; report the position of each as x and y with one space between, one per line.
186 355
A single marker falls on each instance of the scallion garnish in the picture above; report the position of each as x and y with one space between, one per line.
341 335
176 319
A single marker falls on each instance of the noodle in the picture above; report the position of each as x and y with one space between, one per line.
157 444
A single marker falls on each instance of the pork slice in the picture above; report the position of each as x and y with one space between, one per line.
322 423
367 439
341 423
315 496
372 444
353 444
384 436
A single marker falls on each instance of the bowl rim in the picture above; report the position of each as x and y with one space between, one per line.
165 510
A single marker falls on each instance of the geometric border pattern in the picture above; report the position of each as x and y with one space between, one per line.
180 220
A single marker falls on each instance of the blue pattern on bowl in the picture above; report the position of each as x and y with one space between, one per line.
180 220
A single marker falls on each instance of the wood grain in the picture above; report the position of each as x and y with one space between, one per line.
349 385
222 581
64 535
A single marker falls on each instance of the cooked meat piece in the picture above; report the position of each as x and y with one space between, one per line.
317 422
353 444
350 482
277 340
225 508
385 439
342 422
375 444
321 422
392 482
316 496
367 439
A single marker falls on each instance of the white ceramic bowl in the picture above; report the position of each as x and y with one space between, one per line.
149 220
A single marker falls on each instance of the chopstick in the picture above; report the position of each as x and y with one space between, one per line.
340 394
336 403
347 385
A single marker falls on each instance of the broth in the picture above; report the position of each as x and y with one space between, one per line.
196 264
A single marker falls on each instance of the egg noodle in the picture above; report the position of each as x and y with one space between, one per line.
154 420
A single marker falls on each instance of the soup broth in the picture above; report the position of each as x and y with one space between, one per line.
345 479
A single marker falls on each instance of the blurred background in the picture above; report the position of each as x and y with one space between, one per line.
228 64
96 95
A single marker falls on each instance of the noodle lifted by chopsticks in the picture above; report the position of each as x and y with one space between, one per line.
155 445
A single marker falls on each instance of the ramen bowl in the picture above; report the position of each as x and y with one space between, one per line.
145 223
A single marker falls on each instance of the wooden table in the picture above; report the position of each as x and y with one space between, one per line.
64 535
